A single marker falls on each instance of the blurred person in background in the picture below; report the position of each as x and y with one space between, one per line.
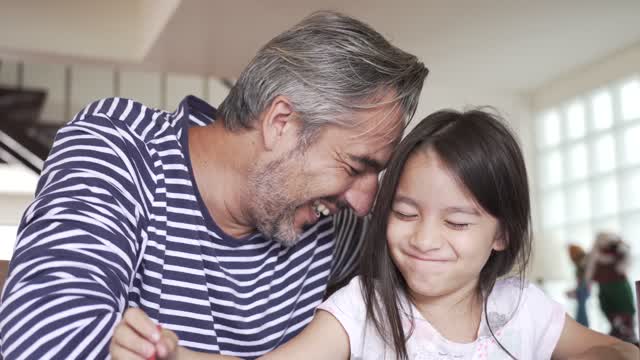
607 265
582 291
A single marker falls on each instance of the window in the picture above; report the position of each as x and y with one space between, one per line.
602 111
589 165
629 95
588 152
7 241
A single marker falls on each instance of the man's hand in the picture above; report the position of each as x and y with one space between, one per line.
136 337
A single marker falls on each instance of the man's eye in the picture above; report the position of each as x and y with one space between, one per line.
354 172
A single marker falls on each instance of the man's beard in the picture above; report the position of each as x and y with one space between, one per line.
273 206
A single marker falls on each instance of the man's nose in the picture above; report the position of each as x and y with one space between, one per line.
361 195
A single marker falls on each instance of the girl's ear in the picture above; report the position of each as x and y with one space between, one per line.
501 240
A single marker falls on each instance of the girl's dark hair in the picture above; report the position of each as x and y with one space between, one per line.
483 154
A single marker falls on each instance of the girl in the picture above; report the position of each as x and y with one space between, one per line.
452 219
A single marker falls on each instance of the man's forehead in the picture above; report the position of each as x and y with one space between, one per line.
387 125
383 125
375 155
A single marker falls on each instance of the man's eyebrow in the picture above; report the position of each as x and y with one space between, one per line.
368 162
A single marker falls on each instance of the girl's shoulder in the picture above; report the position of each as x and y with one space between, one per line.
347 300
517 300
519 312
513 292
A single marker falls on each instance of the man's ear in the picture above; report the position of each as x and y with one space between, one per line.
276 121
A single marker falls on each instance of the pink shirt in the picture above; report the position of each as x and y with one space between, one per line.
527 323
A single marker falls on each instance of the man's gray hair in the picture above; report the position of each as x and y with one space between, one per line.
329 66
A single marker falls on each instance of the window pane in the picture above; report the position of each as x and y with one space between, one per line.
547 245
9 73
8 235
630 100
552 171
549 133
631 148
576 125
609 224
634 268
17 179
144 87
604 154
217 91
556 236
51 78
179 86
553 209
88 84
550 261
602 111
580 234
605 197
577 162
631 232
579 208
631 190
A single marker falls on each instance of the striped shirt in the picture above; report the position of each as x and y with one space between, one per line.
118 222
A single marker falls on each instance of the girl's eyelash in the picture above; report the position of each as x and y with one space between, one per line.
402 215
454 225
457 226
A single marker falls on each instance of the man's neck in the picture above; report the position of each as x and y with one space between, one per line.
221 160
456 316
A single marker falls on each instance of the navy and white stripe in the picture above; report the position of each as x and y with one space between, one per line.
117 222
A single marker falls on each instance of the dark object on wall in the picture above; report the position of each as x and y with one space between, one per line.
4 271
22 138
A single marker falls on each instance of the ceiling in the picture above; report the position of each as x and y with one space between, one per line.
500 45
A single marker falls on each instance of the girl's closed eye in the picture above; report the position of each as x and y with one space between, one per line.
404 214
457 225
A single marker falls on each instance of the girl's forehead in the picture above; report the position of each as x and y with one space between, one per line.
425 172
430 181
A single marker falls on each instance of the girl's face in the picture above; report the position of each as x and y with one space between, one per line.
439 238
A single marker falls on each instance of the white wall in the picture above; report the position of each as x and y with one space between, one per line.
145 87
12 207
52 78
612 68
116 30
179 86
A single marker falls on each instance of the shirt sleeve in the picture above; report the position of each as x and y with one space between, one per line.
347 306
76 248
350 232
547 319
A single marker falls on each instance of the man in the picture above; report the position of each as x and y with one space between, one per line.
225 226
